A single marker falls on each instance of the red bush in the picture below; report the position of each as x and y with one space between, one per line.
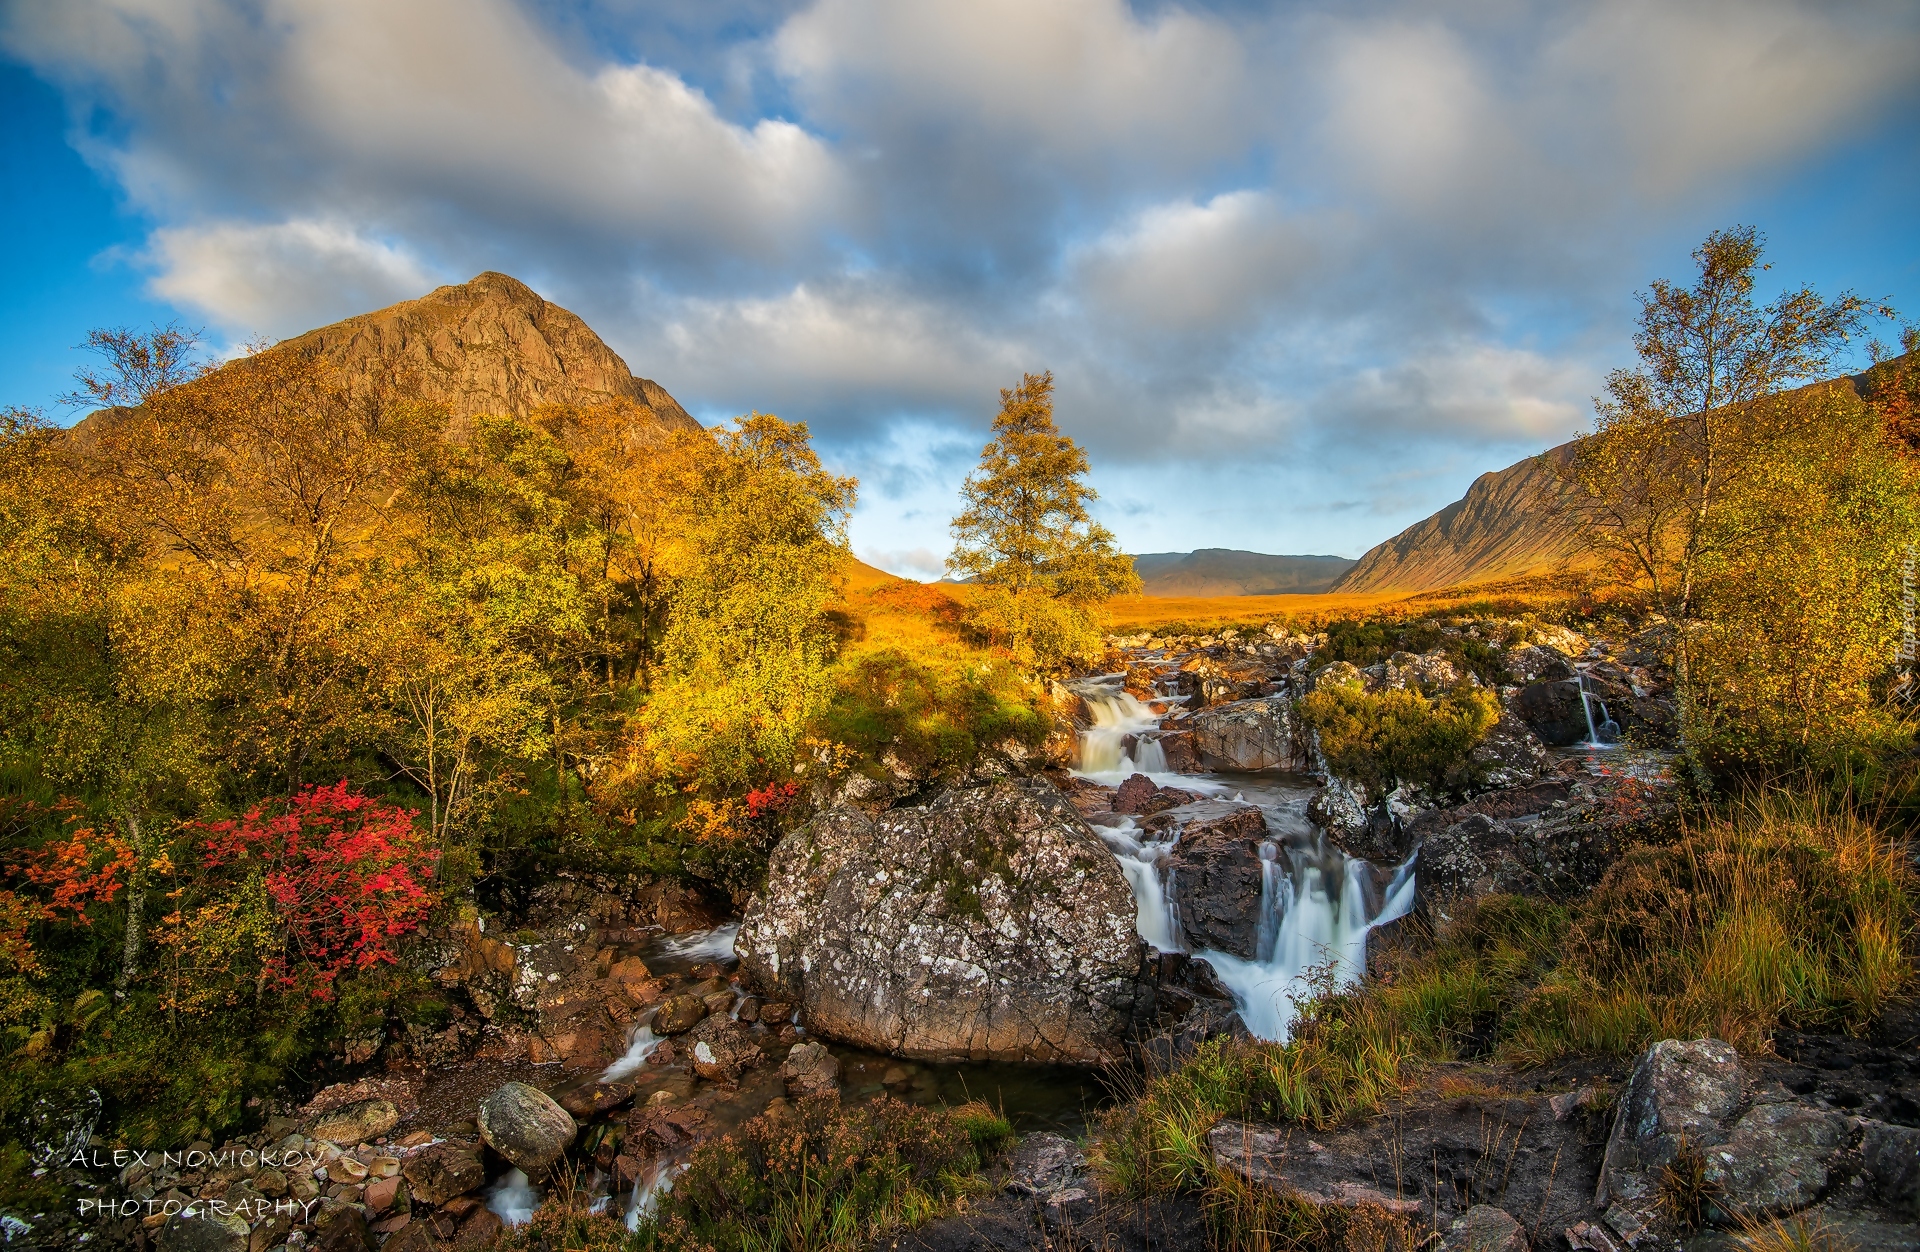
347 875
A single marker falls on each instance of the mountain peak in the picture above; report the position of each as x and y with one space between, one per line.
488 345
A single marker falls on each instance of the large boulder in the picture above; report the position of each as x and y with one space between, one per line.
989 924
523 1124
1681 1097
1774 1160
1554 711
1250 735
1216 878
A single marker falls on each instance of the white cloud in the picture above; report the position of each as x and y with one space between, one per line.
1071 76
921 564
281 279
416 115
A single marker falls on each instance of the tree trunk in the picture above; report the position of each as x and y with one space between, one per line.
136 906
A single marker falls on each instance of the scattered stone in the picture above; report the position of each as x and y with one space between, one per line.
205 1231
721 1049
810 1070
589 1101
340 1228
356 1123
413 1237
1260 1156
1487 1229
1045 1164
442 1172
679 1014
523 1124
380 1193
346 1169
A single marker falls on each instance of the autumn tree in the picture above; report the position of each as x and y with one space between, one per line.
1673 434
759 542
1042 563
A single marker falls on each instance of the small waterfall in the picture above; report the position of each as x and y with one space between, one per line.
647 1192
1143 862
1607 732
639 1047
1318 905
1123 738
513 1199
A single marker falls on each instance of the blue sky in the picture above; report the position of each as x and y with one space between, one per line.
1302 271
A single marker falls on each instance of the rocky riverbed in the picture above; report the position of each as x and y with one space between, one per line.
1174 872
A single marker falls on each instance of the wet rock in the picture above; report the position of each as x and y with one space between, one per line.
991 923
720 1049
1134 794
1892 1158
679 1014
1182 757
1045 1164
589 1101
442 1172
1216 872
205 1231
810 1070
340 1228
523 1124
1774 1160
381 1193
356 1123
1487 1229
415 1236
1553 711
1249 735
272 1232
478 1230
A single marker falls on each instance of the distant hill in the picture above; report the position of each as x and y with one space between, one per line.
1228 572
1503 528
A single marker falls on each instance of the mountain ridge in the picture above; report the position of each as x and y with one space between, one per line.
1234 572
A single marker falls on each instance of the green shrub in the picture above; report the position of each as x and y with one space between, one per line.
1385 738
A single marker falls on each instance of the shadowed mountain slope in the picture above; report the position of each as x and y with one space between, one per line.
1502 528
1228 572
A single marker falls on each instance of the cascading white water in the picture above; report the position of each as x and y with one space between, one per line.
639 1047
1608 731
647 1192
1143 861
1317 906
1121 741
513 1199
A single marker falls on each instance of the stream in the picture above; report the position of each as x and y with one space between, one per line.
1317 904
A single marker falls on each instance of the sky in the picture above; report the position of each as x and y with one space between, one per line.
1301 271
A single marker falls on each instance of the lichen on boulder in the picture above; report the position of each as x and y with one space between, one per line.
989 924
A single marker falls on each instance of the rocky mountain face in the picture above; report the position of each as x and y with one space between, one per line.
491 345
1502 528
1229 572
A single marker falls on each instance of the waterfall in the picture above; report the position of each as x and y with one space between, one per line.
1608 730
647 1192
1143 862
639 1047
513 1199
1317 906
1123 737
